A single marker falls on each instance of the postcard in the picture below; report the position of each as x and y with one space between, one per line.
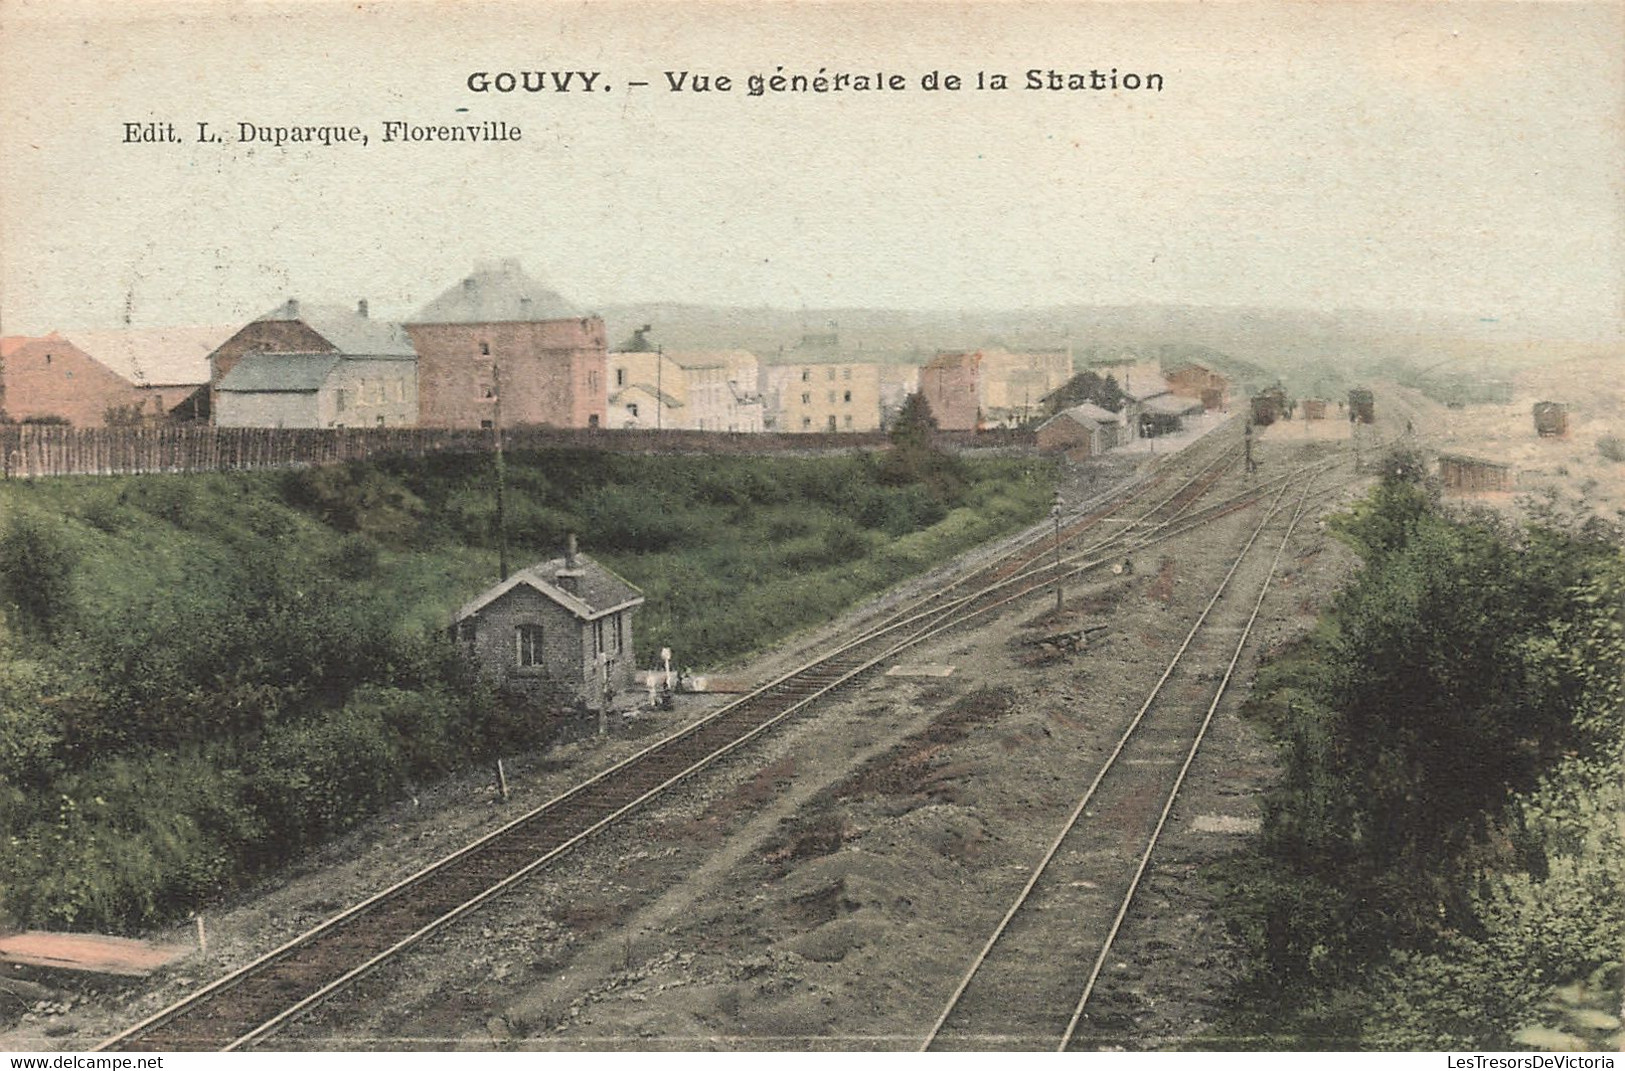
746 525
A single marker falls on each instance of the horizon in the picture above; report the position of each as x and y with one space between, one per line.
1403 160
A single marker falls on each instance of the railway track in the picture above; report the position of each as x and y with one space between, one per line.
254 1001
1031 982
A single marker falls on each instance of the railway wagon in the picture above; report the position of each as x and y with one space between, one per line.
1551 420
1362 406
1269 406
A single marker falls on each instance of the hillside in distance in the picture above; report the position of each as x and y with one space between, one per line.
1310 351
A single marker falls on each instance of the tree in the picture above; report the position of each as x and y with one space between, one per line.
1086 387
915 426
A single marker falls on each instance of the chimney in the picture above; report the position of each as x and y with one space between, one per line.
569 577
361 308
468 285
293 308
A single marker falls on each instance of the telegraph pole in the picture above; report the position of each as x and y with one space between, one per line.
1055 515
502 471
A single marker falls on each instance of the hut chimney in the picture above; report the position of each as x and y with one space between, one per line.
569 577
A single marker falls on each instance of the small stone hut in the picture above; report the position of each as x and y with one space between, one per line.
562 625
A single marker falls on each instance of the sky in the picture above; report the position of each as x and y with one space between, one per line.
1454 157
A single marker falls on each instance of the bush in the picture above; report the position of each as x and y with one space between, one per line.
36 574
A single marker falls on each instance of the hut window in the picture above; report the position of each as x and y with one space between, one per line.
468 631
528 645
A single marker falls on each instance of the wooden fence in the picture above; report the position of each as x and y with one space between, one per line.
34 450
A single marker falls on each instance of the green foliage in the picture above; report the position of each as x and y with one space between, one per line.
1611 447
1442 848
1087 387
37 563
212 673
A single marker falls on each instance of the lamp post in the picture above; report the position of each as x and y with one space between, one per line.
1055 515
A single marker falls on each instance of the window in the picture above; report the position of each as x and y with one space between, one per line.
485 349
598 636
486 424
592 380
806 399
528 645
831 397
620 377
806 373
849 421
846 373
468 630
341 399
846 396
380 420
613 635
632 409
829 373
806 423
832 422
488 391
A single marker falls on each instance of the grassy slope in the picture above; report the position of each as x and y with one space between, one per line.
244 664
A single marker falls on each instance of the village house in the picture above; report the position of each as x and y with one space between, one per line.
1198 381
500 331
990 388
647 389
374 384
560 627
840 397
1082 431
723 389
950 385
123 376
317 390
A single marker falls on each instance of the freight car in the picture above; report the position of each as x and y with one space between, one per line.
1362 406
1551 420
1269 406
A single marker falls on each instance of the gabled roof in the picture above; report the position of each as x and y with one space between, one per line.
12 343
496 292
711 358
1170 404
599 591
280 373
154 356
648 391
1085 413
346 329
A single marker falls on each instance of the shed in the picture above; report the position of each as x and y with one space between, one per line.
1083 430
564 624
1473 475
